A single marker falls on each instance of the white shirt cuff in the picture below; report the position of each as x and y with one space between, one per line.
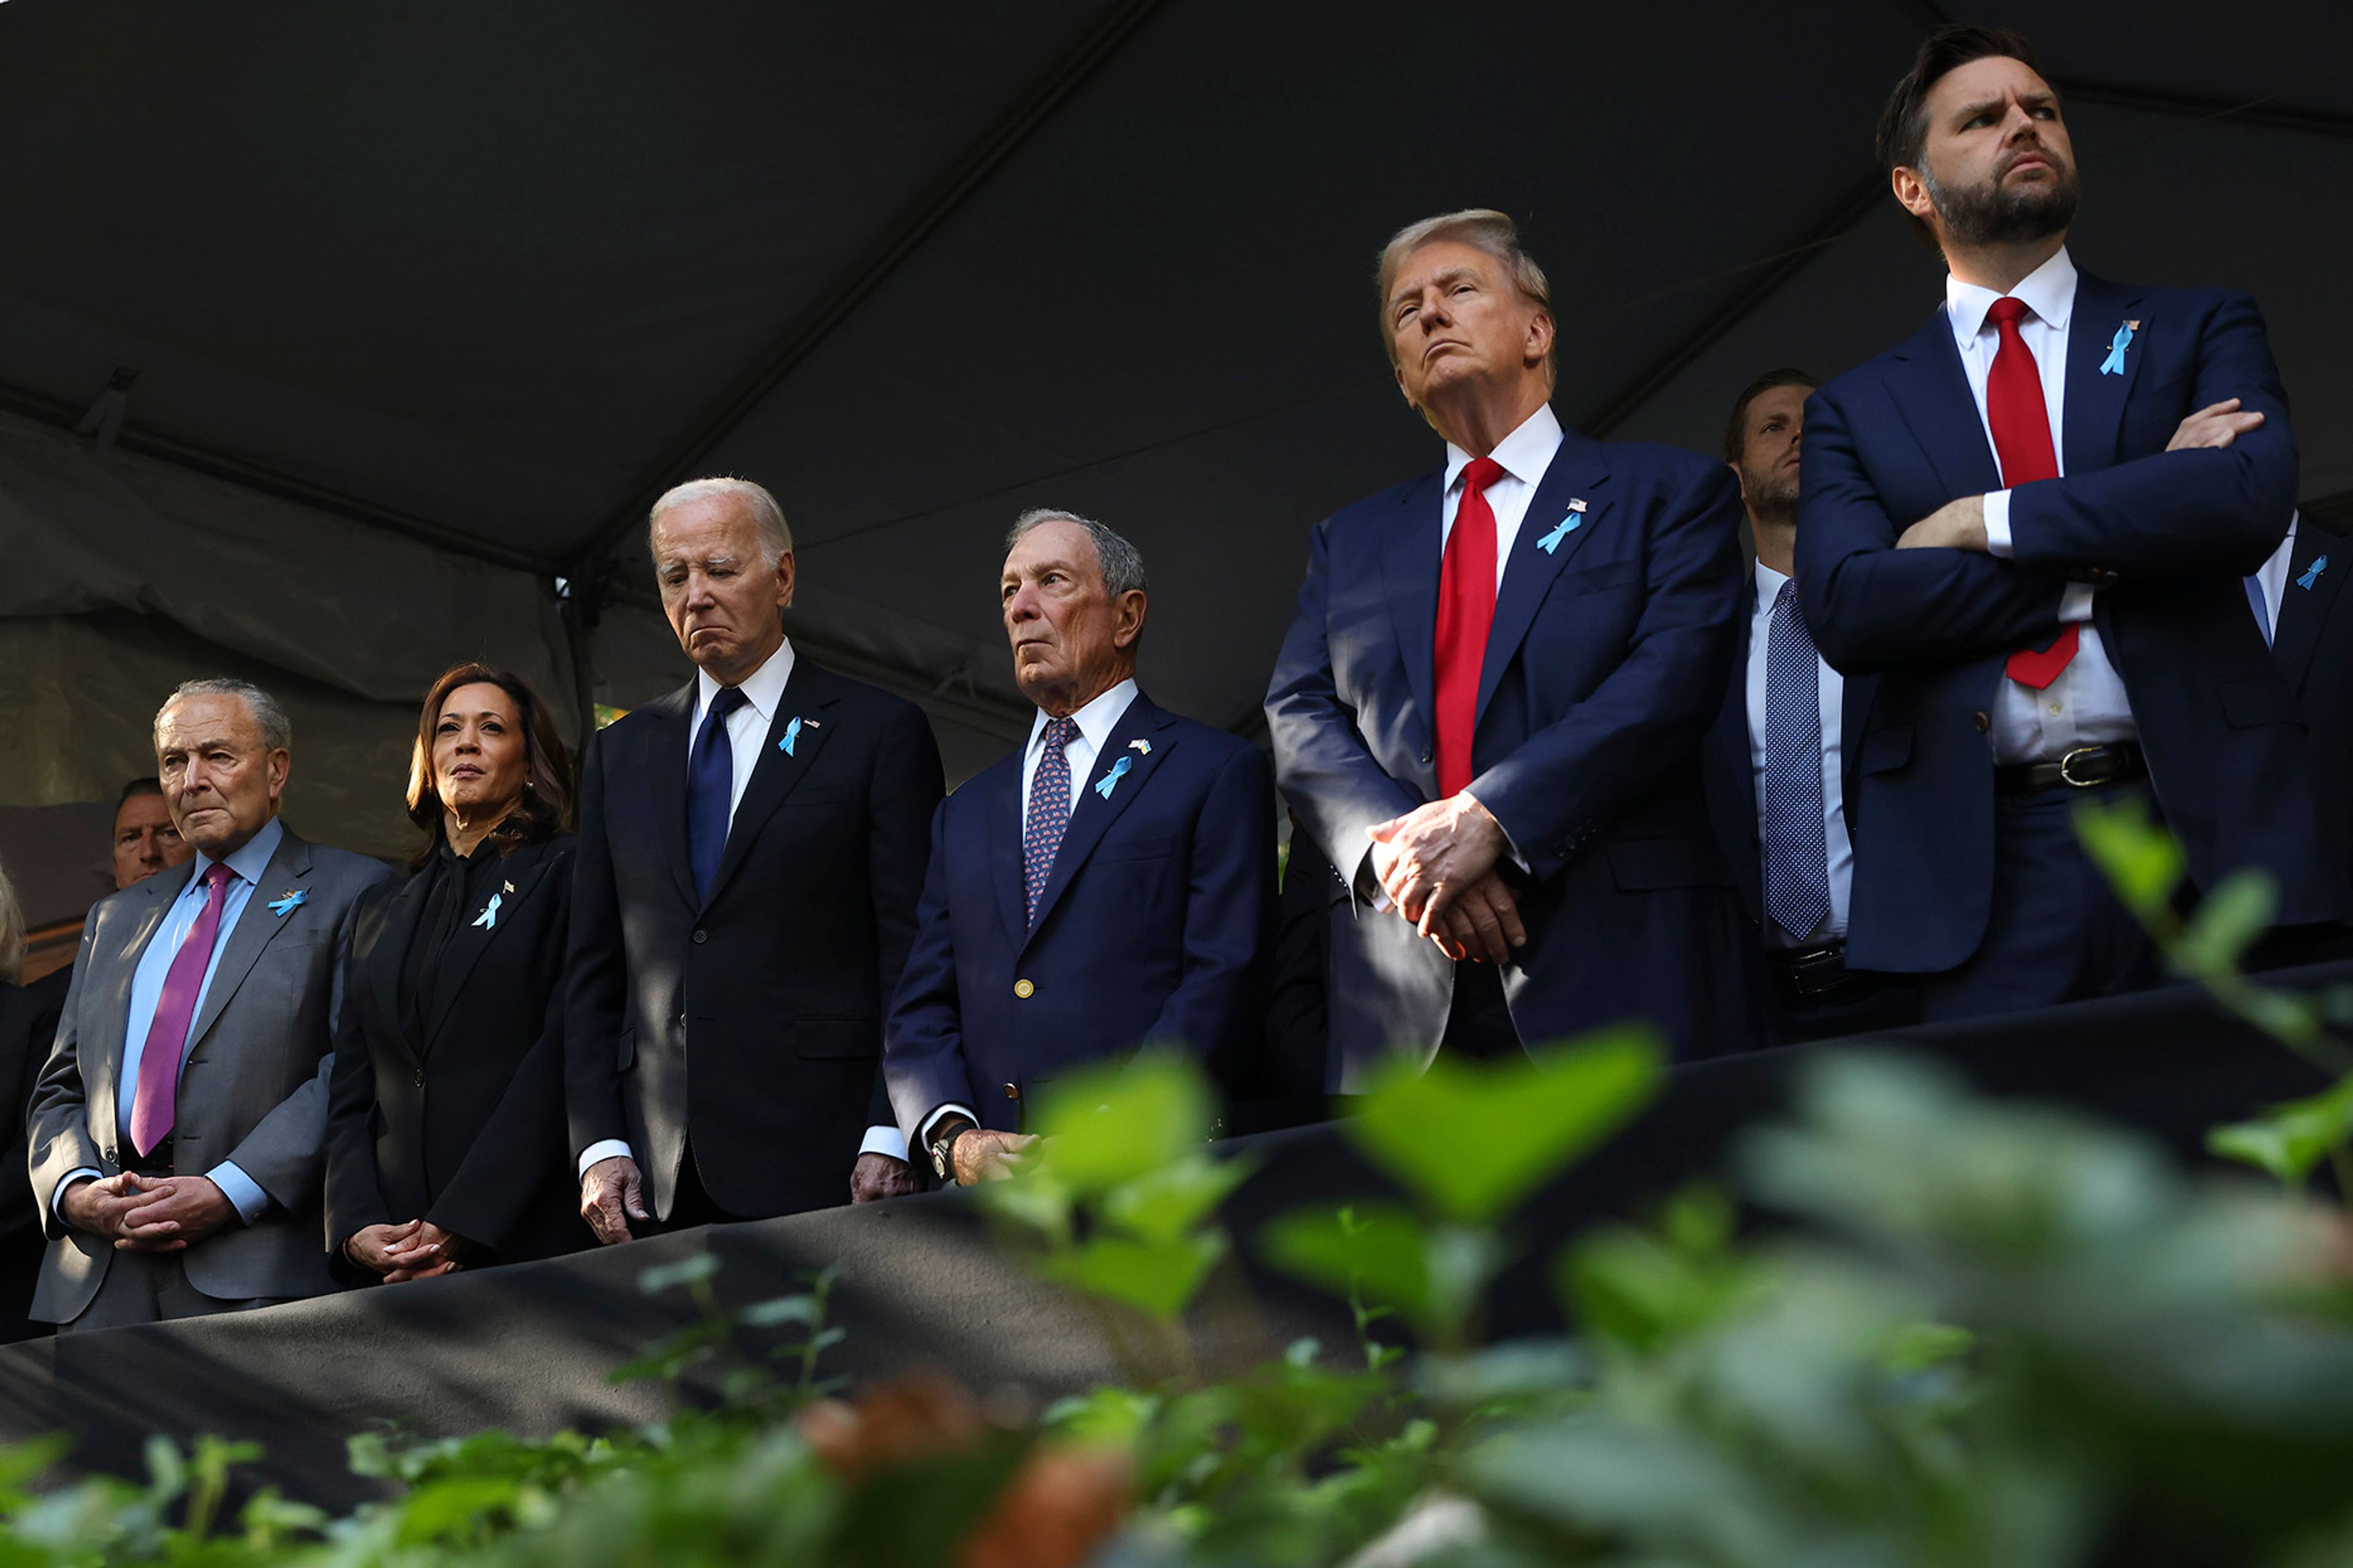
924 1133
57 1194
884 1141
1997 524
2075 603
605 1150
239 1189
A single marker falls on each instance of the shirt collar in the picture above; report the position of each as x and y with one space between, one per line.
249 860
1769 584
764 688
2049 291
1097 719
1525 453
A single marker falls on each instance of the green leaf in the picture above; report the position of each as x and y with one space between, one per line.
2287 1141
2142 861
1156 1277
1113 1124
691 1270
782 1309
1166 1204
1470 1143
1378 1251
1916 1347
2227 923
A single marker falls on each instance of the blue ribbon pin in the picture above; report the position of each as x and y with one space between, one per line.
2115 364
792 733
2312 573
1109 781
293 900
1568 525
488 919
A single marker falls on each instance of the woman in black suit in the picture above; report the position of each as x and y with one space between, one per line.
28 1027
446 1141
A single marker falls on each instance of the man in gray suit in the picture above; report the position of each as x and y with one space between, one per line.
177 1130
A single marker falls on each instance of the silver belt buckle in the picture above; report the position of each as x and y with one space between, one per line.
2066 761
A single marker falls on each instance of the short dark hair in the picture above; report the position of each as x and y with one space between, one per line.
547 807
1903 122
146 784
1735 432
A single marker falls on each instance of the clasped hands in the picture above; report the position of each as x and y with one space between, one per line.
146 1214
1437 864
398 1253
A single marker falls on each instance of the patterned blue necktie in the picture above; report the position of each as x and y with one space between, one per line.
710 782
1796 845
1049 809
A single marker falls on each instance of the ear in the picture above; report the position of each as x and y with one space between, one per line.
1540 336
1742 480
1127 620
785 580
281 764
1912 193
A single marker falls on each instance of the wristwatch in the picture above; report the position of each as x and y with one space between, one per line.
943 1149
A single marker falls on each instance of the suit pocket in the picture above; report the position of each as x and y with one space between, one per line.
1617 574
1133 849
2247 703
628 1049
1646 865
1885 751
832 1038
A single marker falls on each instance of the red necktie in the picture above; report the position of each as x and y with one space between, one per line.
1466 609
2022 440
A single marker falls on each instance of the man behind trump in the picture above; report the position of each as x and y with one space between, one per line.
1110 884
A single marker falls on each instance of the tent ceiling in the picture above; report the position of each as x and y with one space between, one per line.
494 269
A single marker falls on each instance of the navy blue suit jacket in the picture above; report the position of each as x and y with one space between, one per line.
1605 666
1732 779
2314 647
1889 443
1156 925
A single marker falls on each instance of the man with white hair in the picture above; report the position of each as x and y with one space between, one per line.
178 1132
751 851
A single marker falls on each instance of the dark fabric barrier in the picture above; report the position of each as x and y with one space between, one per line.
528 1347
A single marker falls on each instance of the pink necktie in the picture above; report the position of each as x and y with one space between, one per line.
155 1106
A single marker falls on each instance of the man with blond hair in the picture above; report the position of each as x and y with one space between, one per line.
1489 709
751 850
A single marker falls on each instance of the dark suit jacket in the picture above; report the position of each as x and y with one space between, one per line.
1891 442
253 1090
1605 666
752 1023
28 1028
465 1127
1156 924
1731 777
2314 646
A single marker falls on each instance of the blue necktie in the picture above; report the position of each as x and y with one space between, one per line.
710 782
2263 608
1797 844
1049 809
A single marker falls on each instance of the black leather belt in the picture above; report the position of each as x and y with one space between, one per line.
1817 976
2082 768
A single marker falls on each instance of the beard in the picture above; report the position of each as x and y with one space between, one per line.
1990 215
1772 496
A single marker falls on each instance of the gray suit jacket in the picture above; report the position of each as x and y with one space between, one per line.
253 1088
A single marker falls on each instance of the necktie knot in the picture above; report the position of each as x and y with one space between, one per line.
2006 313
217 876
1481 473
726 699
1061 733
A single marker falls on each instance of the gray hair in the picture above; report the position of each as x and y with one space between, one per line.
1482 229
767 516
1122 563
268 716
12 933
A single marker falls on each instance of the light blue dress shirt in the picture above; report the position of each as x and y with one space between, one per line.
245 867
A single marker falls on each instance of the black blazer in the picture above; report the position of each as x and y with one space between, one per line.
775 989
28 1028
2314 646
465 1127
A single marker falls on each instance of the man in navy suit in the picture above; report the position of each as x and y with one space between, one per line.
1108 886
2299 598
1489 709
744 895
1992 522
1780 760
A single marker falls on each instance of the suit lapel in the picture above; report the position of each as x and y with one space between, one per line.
671 736
1003 807
1095 811
1410 565
2303 611
388 954
112 1026
2096 403
519 877
810 696
257 926
1931 392
1578 472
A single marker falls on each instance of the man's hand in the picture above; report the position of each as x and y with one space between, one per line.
1955 525
429 1253
612 1194
982 1155
172 1213
370 1247
1482 924
881 1177
2216 425
1437 852
97 1204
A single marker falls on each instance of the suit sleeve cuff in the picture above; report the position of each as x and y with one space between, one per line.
57 1196
884 1141
923 1133
1997 524
605 1150
240 1190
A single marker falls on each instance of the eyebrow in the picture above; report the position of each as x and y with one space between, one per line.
1449 275
1968 111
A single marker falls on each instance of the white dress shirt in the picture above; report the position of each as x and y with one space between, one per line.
1524 453
1833 705
2274 578
2087 706
747 738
